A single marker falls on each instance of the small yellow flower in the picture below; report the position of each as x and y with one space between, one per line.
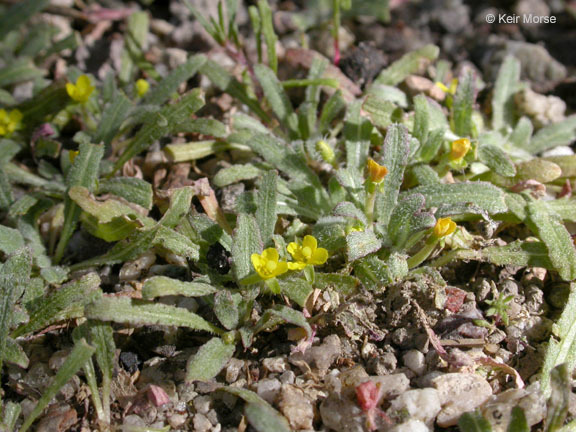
72 155
307 253
451 90
142 87
267 264
444 227
81 91
376 172
459 149
10 122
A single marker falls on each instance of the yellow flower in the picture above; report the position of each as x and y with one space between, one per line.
267 264
444 227
9 122
307 253
142 87
452 89
459 149
376 172
80 91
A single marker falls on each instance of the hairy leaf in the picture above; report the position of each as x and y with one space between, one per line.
266 212
209 360
407 65
507 84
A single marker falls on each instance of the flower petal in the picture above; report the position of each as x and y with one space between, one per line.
256 261
293 248
15 116
296 265
71 90
282 268
320 256
310 241
270 254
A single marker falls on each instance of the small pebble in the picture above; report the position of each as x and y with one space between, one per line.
202 404
421 405
410 426
201 423
268 389
415 361
296 407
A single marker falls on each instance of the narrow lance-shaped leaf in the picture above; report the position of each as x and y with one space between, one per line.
75 360
19 13
463 105
357 131
162 123
84 172
408 218
160 286
421 119
474 422
132 189
497 160
562 347
226 308
246 242
507 84
276 96
14 276
139 312
209 360
259 413
553 135
268 32
361 243
67 302
10 240
112 119
169 85
394 157
554 234
407 65
266 210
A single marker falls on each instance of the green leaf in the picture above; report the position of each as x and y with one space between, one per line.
463 105
162 123
259 413
394 157
474 422
19 70
333 106
518 421
14 277
554 234
554 135
357 132
408 64
140 312
113 116
169 85
344 284
266 210
194 150
159 286
180 202
507 84
14 353
18 14
559 401
226 309
131 189
408 218
235 174
497 160
66 303
209 360
561 347
282 314
380 110
429 149
84 172
296 289
246 242
268 32
421 119
520 136
566 163
226 82
205 126
361 243
176 243
135 44
79 355
481 194
10 240
276 96
6 195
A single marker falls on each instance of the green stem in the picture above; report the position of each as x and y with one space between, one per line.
423 253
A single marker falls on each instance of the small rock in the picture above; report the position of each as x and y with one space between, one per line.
133 420
321 356
275 364
268 389
233 370
177 421
459 393
57 359
382 365
202 404
296 407
543 110
342 414
415 361
498 409
157 395
391 385
287 377
57 419
132 270
129 361
201 423
410 426
422 405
